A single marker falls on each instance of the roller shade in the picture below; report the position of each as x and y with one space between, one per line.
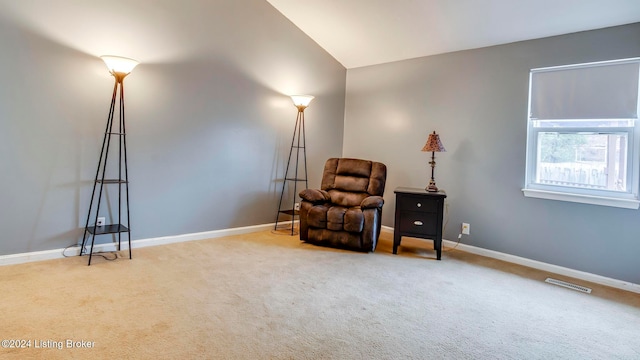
589 91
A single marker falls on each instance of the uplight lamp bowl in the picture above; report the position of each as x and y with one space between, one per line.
301 100
119 64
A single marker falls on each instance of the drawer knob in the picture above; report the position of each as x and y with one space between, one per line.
418 222
419 205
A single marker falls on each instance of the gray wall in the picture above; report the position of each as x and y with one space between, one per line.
477 101
209 120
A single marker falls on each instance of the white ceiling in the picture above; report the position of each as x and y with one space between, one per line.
367 32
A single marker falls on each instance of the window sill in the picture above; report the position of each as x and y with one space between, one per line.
584 199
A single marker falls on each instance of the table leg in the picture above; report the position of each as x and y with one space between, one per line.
396 241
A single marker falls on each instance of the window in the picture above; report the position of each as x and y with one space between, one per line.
583 141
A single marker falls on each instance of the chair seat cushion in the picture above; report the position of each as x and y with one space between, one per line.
317 217
354 220
335 218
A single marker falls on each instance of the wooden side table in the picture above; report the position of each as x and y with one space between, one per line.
419 214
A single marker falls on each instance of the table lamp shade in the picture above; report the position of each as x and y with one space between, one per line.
434 143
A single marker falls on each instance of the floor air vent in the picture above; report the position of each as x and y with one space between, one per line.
568 285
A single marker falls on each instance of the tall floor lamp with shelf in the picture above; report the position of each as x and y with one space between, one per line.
298 142
119 67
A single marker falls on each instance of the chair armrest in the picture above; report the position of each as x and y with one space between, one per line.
315 196
372 202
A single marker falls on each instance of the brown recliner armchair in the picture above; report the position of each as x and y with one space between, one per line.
346 211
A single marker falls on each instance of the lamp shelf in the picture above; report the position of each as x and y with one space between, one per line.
290 212
112 181
295 179
107 229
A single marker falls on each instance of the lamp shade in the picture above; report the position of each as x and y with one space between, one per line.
301 100
119 64
433 143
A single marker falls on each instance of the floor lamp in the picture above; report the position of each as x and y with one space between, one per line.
299 143
119 67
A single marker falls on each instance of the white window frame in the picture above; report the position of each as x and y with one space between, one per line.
628 199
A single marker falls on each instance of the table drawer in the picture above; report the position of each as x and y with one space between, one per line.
416 203
418 222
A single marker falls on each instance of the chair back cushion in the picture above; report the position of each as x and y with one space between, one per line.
349 181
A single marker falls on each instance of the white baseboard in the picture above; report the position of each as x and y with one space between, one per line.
74 251
555 269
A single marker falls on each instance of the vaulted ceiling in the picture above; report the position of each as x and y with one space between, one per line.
367 32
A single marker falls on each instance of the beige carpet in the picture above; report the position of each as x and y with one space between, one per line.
268 296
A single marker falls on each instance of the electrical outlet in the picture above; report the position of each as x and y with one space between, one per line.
296 206
465 228
100 221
